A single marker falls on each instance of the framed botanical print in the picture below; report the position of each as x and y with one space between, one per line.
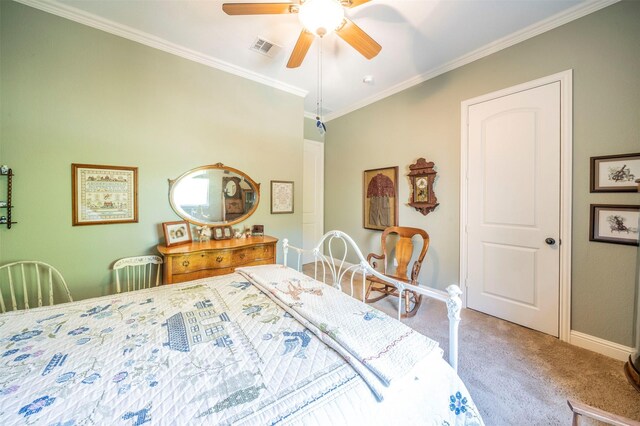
617 224
281 196
176 233
104 194
380 198
615 173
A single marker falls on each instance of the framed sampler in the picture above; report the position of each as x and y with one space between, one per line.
104 194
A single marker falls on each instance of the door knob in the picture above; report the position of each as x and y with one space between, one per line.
550 241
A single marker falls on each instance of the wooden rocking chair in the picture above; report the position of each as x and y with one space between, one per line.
403 253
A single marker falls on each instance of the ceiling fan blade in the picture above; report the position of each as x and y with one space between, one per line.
259 8
300 49
358 39
354 3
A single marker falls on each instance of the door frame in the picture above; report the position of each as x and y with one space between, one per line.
566 170
321 189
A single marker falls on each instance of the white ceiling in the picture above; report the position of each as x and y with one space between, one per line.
419 38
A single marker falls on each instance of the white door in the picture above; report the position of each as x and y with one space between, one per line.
513 210
312 196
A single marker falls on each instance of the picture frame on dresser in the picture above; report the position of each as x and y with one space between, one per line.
177 233
615 173
218 233
222 232
227 231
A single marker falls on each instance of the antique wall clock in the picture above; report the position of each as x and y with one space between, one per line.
421 177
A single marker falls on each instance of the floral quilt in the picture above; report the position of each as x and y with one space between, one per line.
211 351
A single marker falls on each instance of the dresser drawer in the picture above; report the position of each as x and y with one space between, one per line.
200 261
249 254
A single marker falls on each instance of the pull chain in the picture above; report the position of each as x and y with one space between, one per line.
319 121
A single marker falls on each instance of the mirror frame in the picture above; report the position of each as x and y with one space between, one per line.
217 166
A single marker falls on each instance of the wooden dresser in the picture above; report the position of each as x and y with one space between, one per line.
207 259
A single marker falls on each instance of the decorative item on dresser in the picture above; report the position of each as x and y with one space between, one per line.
421 176
176 233
257 230
216 257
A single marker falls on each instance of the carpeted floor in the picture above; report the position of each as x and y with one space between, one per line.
519 376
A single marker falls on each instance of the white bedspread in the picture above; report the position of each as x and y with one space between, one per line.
212 351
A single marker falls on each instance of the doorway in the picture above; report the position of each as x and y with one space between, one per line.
313 197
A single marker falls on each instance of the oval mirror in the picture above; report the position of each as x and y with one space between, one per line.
214 195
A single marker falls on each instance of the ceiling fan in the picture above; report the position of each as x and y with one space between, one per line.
319 17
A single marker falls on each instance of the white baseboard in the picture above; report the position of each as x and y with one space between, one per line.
601 346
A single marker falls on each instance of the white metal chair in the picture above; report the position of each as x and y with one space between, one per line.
138 272
30 273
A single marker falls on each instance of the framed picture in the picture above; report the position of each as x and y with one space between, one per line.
218 233
380 198
615 224
615 173
176 233
104 194
281 197
227 232
257 230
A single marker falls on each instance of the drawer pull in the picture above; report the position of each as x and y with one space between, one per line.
242 255
219 259
185 263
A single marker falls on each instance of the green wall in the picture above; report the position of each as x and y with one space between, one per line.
74 94
603 49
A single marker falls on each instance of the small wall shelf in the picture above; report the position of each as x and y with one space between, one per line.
6 220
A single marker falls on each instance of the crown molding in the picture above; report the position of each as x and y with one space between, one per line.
91 20
550 23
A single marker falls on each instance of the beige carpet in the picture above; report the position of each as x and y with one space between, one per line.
518 376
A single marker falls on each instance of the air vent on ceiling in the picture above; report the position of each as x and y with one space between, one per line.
265 47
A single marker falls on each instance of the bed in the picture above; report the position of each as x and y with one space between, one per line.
264 345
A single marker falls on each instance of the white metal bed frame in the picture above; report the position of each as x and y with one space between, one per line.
339 267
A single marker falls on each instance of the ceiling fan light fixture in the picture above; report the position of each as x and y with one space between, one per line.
321 17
